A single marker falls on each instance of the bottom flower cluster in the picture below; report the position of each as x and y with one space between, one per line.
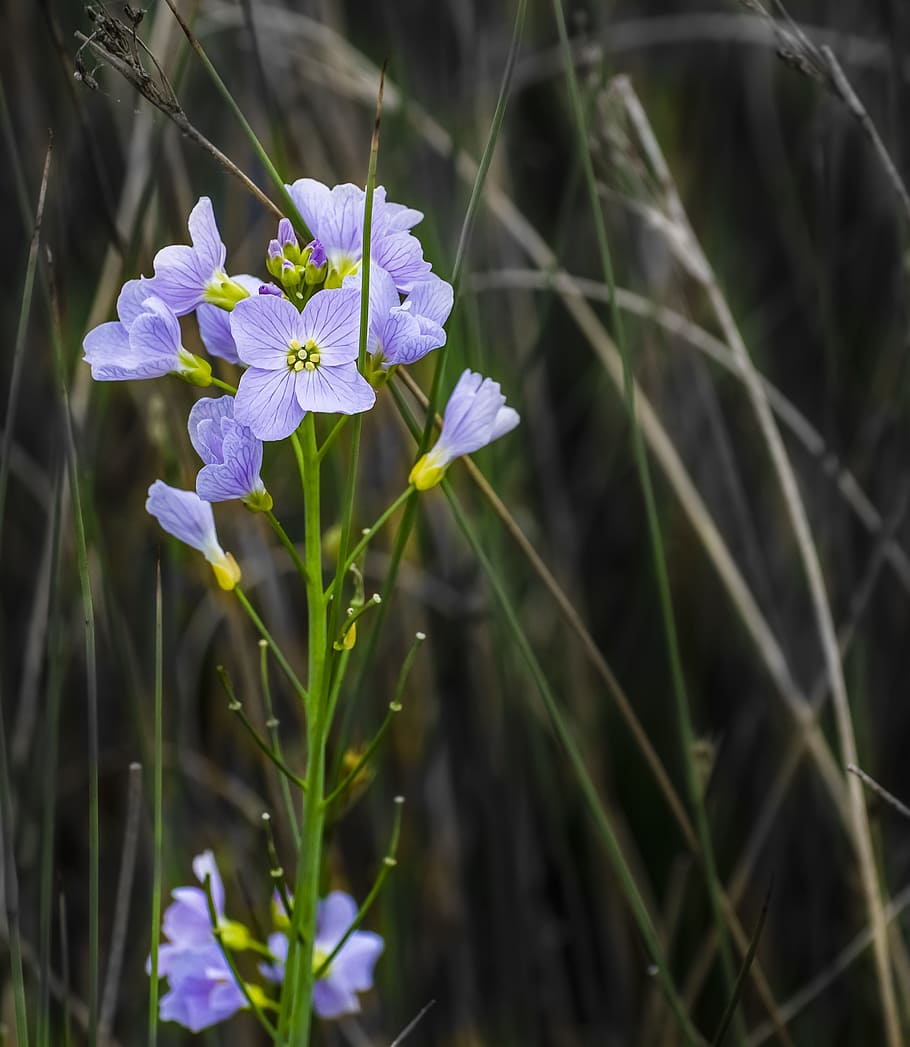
204 989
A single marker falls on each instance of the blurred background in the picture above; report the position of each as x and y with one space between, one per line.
504 908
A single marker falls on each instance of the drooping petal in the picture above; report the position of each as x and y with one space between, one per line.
215 323
400 339
334 915
332 320
266 402
340 389
179 280
263 327
186 516
186 922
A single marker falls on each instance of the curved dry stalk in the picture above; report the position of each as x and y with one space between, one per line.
680 326
689 250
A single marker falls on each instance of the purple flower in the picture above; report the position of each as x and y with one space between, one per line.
187 276
474 416
351 970
402 333
144 343
202 987
215 322
187 517
335 218
299 361
232 455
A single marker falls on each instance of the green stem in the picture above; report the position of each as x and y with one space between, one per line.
158 820
273 647
371 531
272 724
333 436
296 1001
232 389
287 543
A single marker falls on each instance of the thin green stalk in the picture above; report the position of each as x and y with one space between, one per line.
229 960
334 433
388 864
683 710
295 1014
157 810
235 706
287 201
225 386
287 543
272 724
347 514
273 647
370 532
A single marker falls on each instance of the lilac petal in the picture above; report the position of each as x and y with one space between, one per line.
238 475
186 921
312 199
341 389
278 947
332 320
155 331
391 216
204 426
215 323
400 340
432 298
286 235
340 225
179 278
331 1000
112 359
210 251
505 422
204 865
131 298
196 1001
271 289
266 402
263 327
356 959
317 257
334 915
401 255
184 515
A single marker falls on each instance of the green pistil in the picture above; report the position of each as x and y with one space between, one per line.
223 292
303 357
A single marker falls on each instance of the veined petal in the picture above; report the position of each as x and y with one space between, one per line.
332 320
432 298
341 223
131 298
236 475
312 199
400 340
112 358
155 331
179 278
204 426
401 255
341 389
209 249
266 402
263 327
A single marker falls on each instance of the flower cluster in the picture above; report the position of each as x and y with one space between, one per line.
297 340
203 989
